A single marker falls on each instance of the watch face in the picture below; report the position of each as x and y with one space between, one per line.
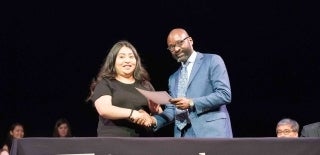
191 103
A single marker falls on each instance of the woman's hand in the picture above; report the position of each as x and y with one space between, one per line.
141 117
154 107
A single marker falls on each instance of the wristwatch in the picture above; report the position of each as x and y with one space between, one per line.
191 103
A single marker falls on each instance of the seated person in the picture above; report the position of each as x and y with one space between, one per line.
311 130
16 131
287 128
62 128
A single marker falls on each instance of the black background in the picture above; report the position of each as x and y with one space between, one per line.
51 50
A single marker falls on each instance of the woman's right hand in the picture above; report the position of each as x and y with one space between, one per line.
141 117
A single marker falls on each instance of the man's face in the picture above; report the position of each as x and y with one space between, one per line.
286 131
180 47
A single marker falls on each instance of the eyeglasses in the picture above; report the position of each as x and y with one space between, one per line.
178 43
285 132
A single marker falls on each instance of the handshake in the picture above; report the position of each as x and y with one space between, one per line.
141 117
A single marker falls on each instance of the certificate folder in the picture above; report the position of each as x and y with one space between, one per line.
159 97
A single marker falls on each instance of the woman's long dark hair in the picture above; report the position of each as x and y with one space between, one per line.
9 139
108 69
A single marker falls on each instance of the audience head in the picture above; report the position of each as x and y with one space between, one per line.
16 131
62 128
287 128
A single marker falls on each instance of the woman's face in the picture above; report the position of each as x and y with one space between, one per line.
17 132
125 62
63 130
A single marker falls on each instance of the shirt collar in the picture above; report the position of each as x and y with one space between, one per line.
192 57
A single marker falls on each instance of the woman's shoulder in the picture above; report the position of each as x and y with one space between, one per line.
4 150
146 85
105 81
5 147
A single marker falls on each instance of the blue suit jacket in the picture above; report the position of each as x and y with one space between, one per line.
209 88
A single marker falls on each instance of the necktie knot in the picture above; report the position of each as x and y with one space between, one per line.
185 64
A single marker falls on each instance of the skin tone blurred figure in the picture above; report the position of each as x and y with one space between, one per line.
287 128
62 128
16 131
4 152
114 95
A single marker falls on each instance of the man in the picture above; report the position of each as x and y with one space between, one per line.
287 128
200 105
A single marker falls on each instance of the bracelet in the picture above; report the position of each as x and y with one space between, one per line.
130 114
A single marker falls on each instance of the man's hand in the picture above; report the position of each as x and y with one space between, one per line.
181 102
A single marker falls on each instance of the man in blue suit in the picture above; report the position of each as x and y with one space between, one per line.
206 96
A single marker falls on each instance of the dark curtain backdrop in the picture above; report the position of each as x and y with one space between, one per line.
51 50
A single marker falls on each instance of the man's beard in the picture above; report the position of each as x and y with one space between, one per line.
182 59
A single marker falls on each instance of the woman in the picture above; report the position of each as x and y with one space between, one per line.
16 131
62 128
115 97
